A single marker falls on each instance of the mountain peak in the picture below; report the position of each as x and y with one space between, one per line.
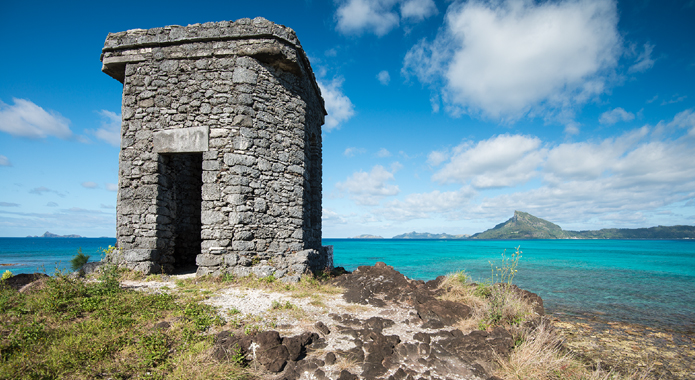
524 226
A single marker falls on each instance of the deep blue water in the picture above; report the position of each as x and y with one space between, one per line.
650 282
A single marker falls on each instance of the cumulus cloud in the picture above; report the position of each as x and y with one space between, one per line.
437 157
338 106
616 181
112 187
110 130
507 59
329 216
383 77
4 161
418 10
368 188
90 185
615 115
427 205
644 60
501 161
380 16
26 119
383 152
352 151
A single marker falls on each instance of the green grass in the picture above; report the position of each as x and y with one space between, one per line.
74 329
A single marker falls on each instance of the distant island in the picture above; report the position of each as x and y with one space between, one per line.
427 235
51 235
526 226
367 236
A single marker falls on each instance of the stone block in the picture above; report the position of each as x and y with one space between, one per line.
211 217
262 271
243 245
208 260
231 259
244 75
211 192
241 271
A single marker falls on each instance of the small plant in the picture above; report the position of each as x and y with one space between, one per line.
268 279
79 260
237 356
283 306
7 274
252 329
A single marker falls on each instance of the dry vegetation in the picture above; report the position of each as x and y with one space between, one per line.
538 353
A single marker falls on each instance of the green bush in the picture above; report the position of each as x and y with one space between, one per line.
79 260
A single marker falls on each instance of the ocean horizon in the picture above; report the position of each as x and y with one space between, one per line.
647 282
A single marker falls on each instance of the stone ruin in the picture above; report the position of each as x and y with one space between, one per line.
220 161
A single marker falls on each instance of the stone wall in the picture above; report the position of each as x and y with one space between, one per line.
220 162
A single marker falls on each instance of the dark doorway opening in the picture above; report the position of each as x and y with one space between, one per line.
182 183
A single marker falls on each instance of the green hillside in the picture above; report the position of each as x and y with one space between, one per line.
526 226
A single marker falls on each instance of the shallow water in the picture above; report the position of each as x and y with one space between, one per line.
636 281
649 282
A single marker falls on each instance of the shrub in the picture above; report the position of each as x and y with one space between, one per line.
6 275
79 260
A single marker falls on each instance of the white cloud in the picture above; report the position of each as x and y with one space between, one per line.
110 130
26 119
427 205
674 99
501 161
613 116
383 152
506 59
111 187
380 16
4 161
329 216
376 16
352 151
90 185
383 77
418 9
369 188
43 189
644 60
107 206
338 106
8 204
435 158
52 204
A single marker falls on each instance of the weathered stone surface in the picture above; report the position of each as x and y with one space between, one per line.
220 138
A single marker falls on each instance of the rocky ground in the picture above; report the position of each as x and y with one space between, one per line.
629 347
377 324
382 326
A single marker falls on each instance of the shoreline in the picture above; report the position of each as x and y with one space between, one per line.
625 347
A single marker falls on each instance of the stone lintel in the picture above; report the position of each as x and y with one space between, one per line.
181 140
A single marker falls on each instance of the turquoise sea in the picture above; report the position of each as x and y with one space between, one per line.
649 282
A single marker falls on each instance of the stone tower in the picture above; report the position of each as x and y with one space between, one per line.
220 161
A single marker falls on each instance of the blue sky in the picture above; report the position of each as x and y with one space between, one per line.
444 116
